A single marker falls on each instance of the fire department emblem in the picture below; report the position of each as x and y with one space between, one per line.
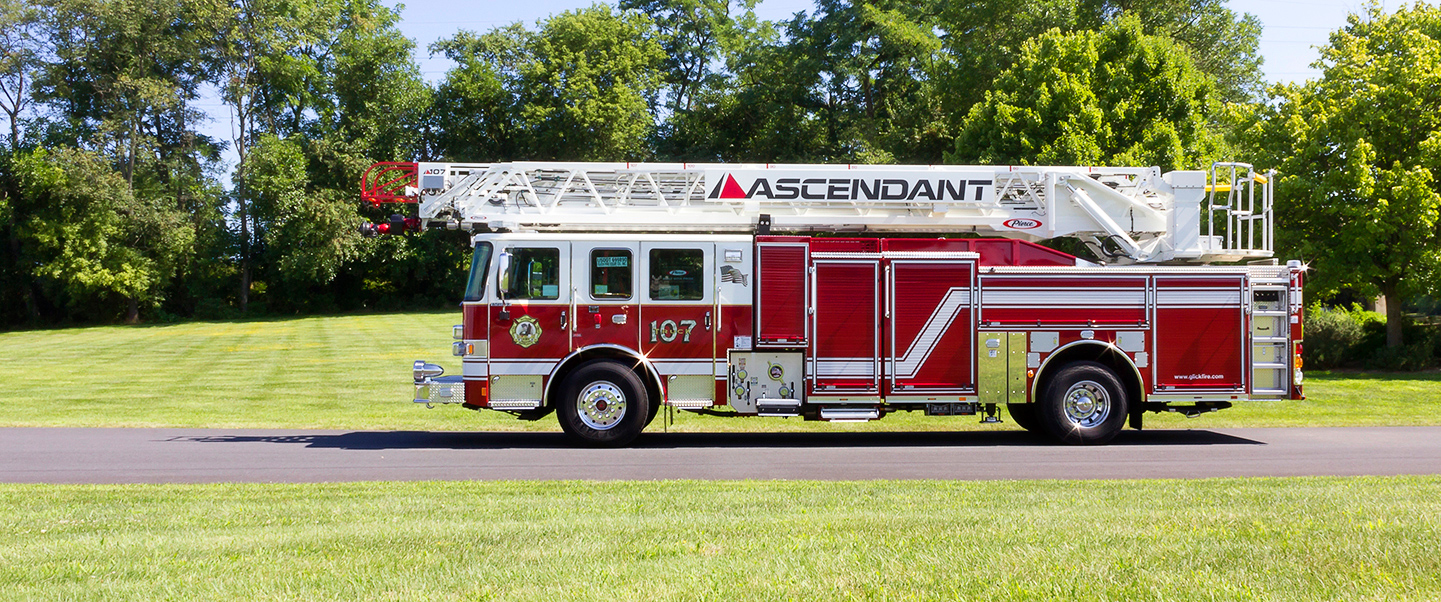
525 331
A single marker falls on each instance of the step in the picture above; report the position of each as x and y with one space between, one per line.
778 407
850 414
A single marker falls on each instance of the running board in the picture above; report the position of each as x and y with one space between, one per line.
850 414
689 404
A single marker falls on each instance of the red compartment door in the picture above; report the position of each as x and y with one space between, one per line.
1200 326
781 294
930 327
845 351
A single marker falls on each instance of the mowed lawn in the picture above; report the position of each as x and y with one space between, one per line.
1363 538
353 372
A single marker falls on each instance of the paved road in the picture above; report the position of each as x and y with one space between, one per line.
61 455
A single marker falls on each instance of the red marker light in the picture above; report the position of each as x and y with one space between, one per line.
383 228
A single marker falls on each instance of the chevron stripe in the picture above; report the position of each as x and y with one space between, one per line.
956 299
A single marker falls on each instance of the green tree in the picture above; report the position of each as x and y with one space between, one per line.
89 238
1358 151
581 88
587 91
472 116
306 232
1111 97
19 60
121 79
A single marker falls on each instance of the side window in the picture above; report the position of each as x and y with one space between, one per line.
610 274
677 274
535 274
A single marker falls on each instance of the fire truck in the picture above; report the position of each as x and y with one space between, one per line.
604 292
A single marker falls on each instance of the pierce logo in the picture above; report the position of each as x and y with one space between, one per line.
1021 223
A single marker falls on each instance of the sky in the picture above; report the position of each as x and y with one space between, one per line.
1292 31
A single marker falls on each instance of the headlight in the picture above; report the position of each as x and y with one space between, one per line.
423 370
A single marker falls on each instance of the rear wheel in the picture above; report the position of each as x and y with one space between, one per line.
1024 415
603 403
1083 404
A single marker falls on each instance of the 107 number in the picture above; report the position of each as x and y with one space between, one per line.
668 330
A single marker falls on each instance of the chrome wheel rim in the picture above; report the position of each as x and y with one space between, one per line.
1087 404
601 405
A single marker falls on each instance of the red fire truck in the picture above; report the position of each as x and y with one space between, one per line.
604 291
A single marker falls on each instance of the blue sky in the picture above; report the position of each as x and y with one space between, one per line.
1293 28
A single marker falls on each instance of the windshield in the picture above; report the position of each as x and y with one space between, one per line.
479 266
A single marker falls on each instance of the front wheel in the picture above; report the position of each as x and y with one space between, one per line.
603 404
1083 404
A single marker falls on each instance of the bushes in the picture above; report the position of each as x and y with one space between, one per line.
1340 337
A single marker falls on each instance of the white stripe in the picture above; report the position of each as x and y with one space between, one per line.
1198 296
516 367
683 368
479 369
852 366
937 325
1075 297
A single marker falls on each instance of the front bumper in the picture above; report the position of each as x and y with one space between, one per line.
431 388
441 389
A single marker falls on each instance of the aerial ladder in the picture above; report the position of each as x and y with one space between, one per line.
1126 215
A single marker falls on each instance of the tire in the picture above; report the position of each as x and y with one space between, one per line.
603 404
1024 415
1084 404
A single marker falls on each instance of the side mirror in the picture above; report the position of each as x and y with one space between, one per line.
503 274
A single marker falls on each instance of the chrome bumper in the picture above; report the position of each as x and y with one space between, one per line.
431 388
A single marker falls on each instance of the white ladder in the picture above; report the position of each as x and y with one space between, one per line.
1135 214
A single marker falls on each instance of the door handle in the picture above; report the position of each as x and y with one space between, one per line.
564 319
707 320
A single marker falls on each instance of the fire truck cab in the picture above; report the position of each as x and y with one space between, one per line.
612 302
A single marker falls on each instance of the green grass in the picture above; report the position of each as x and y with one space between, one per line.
1365 538
352 372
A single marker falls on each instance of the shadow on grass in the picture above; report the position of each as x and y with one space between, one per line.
463 440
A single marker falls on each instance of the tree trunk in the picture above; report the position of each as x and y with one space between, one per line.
1393 317
244 258
27 282
132 311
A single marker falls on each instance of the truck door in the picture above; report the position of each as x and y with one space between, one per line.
845 325
1200 342
678 320
529 322
607 300
929 325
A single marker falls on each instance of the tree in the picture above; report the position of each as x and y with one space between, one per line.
581 88
474 106
694 35
1358 152
1111 97
586 92
306 232
985 37
19 60
86 236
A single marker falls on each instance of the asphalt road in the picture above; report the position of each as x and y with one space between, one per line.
118 455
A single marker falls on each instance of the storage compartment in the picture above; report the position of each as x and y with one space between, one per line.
781 294
764 375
